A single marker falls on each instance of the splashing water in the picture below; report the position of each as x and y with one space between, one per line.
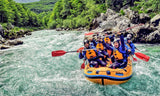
29 69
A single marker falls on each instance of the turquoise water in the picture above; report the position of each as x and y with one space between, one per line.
29 69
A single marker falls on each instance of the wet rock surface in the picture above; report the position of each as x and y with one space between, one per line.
141 26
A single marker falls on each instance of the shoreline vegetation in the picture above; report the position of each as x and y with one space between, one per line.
20 19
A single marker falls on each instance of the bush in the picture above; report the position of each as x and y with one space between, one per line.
52 25
122 12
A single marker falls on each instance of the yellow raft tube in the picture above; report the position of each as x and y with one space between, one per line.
108 76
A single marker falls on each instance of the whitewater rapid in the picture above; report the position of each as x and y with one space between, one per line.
30 70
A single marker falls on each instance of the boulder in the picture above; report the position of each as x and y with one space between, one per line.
128 12
59 29
113 17
5 34
94 24
98 30
143 18
154 37
98 20
4 47
21 31
142 34
149 32
123 23
103 16
156 20
107 25
13 42
67 29
80 29
149 10
29 33
132 15
110 12
2 40
134 18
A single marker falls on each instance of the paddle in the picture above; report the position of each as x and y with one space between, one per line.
62 52
142 56
83 65
134 59
90 33
133 27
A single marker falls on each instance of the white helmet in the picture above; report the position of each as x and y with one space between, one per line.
129 36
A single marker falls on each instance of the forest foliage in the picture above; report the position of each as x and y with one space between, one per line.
17 14
80 13
151 7
41 6
67 13
75 13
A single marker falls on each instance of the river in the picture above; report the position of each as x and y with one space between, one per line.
30 70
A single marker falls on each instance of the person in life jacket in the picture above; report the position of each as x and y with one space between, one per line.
107 43
119 57
131 45
91 55
127 48
101 49
107 38
93 41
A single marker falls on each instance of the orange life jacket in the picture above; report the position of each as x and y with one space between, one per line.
100 46
107 40
90 54
117 55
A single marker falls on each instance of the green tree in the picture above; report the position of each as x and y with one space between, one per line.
142 6
6 14
75 13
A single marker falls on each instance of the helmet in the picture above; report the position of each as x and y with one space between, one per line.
129 36
116 40
86 41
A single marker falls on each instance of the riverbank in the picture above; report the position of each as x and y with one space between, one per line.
10 34
141 26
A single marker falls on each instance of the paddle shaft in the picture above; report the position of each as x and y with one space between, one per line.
70 51
137 49
76 51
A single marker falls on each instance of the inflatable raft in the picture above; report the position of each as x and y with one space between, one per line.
108 76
